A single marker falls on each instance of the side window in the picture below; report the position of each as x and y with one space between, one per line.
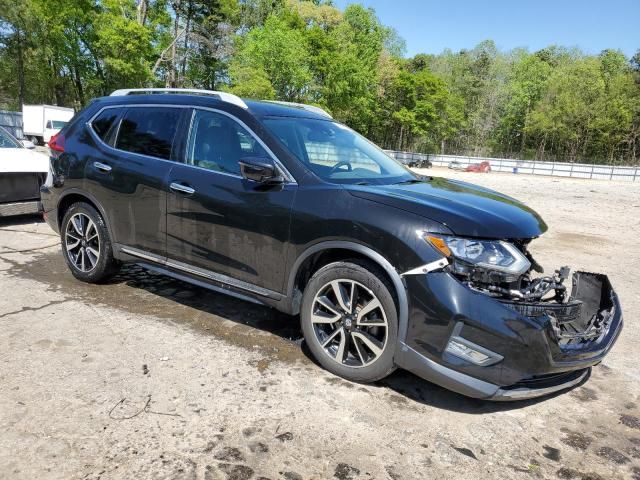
103 123
217 143
148 131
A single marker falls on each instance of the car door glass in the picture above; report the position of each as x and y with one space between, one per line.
148 131
104 121
218 143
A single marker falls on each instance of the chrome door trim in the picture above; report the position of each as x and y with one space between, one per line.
142 254
201 272
201 283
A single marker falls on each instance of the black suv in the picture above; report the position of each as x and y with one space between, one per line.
279 204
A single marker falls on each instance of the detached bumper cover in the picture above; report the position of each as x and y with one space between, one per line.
541 352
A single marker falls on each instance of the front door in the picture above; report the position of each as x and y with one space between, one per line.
218 221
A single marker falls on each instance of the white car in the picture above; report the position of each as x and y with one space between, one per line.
22 172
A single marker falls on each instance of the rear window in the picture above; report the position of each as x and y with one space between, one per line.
103 123
148 131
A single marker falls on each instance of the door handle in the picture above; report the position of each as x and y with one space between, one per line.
179 187
102 167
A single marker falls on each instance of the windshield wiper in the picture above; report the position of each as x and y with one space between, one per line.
409 182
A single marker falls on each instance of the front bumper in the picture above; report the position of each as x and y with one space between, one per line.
535 359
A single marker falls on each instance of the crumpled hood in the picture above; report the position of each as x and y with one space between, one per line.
466 209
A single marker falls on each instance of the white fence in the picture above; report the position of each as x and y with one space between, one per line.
557 169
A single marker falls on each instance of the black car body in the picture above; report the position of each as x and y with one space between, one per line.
268 225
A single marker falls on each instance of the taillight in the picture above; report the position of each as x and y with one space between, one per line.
56 143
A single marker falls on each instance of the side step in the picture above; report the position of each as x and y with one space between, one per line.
20 208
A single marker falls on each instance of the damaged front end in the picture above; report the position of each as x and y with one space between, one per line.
494 326
507 272
581 318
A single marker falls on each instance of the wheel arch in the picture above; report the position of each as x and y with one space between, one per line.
76 195
348 249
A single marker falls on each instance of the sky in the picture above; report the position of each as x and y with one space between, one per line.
430 26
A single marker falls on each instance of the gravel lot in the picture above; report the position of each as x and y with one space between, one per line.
147 377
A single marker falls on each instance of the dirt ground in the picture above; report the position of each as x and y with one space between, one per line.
147 377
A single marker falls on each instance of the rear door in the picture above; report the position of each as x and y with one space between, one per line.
129 175
218 221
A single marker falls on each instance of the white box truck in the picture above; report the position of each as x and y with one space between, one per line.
41 122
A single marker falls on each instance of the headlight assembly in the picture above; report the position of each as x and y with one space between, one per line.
489 254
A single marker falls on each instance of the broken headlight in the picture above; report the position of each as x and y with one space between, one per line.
486 254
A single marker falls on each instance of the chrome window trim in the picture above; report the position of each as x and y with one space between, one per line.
289 179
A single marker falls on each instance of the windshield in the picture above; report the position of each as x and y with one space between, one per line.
336 153
7 141
57 124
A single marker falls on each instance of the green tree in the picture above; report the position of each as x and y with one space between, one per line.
279 51
526 84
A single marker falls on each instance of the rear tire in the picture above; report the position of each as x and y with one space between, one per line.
86 244
350 321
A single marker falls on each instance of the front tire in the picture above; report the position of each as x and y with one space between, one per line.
349 320
86 244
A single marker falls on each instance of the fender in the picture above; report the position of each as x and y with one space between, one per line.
78 191
398 283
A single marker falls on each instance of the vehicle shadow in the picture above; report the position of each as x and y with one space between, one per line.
414 388
404 383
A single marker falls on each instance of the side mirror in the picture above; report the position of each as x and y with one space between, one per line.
260 170
28 144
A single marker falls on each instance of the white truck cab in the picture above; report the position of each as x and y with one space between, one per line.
41 122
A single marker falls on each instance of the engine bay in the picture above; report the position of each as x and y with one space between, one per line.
581 314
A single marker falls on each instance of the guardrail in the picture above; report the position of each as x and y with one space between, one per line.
531 167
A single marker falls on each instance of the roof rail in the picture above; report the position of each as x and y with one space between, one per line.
309 108
224 96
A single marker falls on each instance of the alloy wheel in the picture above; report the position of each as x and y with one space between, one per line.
82 242
349 323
